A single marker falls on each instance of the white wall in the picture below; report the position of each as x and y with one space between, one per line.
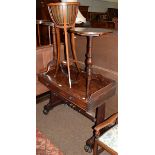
99 5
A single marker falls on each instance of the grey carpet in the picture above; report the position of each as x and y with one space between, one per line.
66 128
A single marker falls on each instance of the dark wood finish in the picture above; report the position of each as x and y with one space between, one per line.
42 97
84 11
112 120
58 49
89 90
46 24
42 10
100 117
38 22
89 33
95 32
43 14
104 19
96 16
104 16
56 100
101 88
38 37
103 24
49 25
53 102
100 114
88 64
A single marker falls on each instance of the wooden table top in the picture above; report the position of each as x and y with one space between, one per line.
90 31
40 21
101 87
45 22
48 23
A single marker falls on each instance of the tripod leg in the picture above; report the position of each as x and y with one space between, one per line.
58 50
67 56
74 51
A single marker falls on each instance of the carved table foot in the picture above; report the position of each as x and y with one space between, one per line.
89 144
53 102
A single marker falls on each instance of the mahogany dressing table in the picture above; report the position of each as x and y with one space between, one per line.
89 91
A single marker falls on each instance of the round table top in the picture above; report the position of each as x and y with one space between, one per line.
48 23
90 31
40 21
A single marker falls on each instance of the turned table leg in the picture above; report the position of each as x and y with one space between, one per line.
49 34
54 43
58 50
88 64
38 31
54 50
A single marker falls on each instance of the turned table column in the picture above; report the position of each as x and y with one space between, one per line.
50 24
89 33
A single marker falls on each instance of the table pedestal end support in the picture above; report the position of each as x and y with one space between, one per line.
100 117
53 102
